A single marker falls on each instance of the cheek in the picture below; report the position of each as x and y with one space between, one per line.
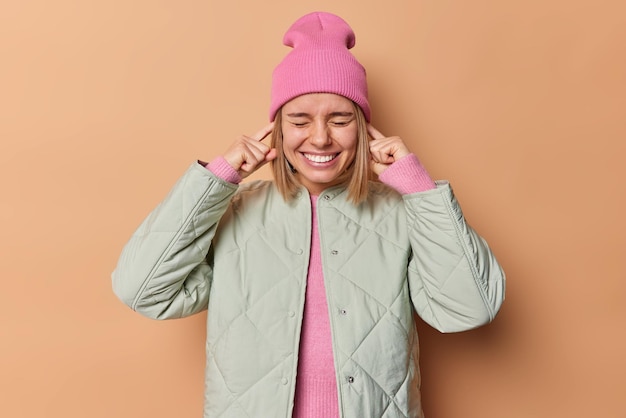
293 138
349 141
289 142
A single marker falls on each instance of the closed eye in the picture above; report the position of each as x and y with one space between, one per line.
341 123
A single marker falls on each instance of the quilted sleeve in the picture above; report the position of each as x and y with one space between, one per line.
162 272
455 280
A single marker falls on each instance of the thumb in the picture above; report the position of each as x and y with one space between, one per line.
377 167
271 155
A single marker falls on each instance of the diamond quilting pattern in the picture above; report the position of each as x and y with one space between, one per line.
260 302
378 292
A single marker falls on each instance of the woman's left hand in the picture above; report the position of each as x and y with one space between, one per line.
385 150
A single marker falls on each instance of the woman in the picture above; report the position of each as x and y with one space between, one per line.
311 280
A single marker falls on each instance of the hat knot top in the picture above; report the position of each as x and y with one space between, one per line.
320 62
319 30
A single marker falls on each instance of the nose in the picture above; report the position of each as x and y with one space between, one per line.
320 136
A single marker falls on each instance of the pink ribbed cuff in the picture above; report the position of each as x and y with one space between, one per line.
407 175
220 167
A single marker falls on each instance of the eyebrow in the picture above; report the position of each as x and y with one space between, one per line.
332 114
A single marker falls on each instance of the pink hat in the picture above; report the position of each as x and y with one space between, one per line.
320 62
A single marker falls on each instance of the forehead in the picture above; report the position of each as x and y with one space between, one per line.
315 103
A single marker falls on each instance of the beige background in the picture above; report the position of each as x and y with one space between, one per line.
103 104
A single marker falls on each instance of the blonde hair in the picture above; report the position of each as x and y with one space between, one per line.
356 176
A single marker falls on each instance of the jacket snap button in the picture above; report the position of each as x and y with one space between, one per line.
292 314
326 197
334 252
343 312
300 251
283 380
350 379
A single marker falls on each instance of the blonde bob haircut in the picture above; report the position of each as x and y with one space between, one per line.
355 178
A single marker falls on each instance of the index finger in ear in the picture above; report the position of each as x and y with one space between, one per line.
375 133
263 133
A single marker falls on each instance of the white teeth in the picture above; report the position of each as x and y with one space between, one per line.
319 158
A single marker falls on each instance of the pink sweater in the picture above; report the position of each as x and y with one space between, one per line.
316 384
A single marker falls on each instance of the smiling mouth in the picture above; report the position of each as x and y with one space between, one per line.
320 158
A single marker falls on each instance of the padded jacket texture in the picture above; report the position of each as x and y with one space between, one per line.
242 252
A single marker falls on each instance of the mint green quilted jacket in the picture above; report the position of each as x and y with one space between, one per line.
242 252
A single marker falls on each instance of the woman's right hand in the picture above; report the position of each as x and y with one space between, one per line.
248 153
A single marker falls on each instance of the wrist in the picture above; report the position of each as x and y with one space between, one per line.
407 175
222 169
